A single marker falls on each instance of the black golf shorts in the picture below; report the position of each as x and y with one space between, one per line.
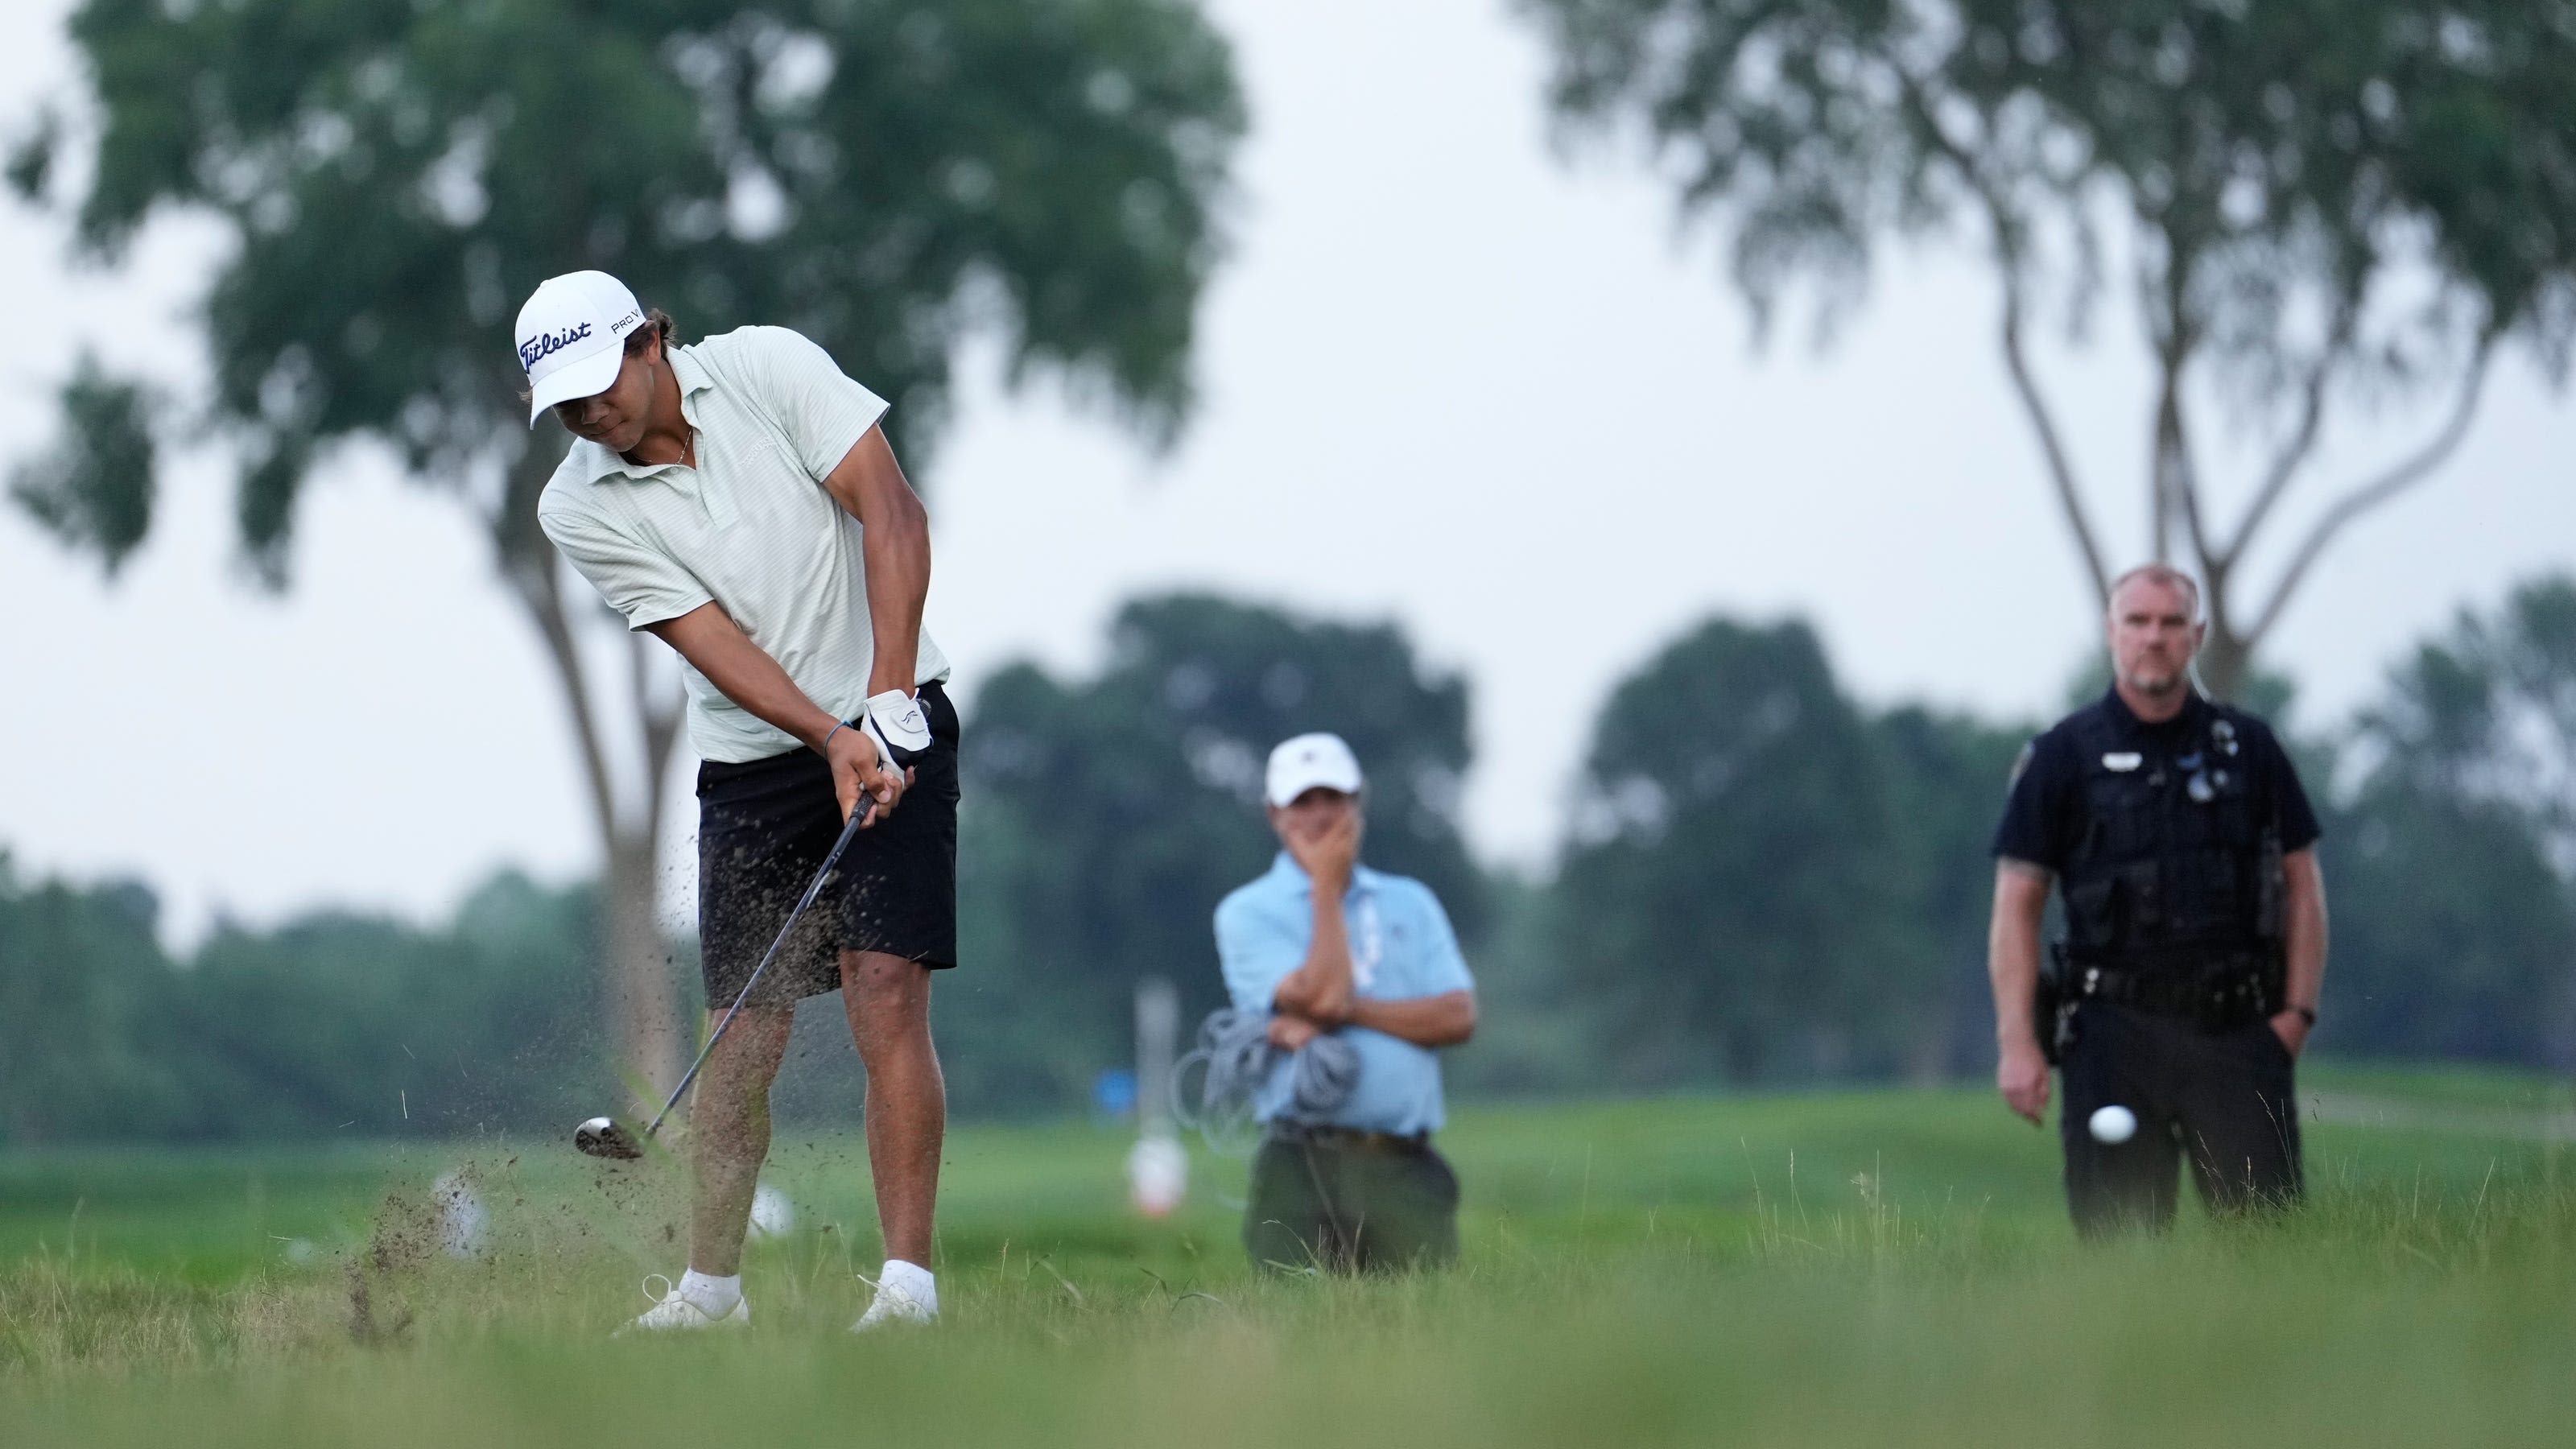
764 827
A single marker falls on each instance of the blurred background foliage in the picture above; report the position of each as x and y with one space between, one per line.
1766 882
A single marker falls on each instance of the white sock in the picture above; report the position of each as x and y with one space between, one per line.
714 1296
911 1280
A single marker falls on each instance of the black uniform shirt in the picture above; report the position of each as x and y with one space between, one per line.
2044 815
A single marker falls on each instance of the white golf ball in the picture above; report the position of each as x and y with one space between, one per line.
772 1215
2114 1125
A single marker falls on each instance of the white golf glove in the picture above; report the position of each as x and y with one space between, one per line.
901 731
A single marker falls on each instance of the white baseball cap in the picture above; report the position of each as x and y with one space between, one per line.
1301 764
572 337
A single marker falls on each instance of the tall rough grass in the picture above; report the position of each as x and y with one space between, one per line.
1675 1278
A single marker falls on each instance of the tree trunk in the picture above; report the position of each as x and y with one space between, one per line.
2224 660
635 961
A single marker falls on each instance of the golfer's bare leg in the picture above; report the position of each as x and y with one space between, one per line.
729 1133
888 999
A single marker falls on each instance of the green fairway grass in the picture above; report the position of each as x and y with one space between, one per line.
1857 1267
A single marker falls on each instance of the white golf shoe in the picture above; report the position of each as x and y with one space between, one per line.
910 1303
891 1309
674 1309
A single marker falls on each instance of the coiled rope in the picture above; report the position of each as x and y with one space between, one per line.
1236 1057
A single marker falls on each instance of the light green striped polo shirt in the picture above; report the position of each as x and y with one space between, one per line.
751 527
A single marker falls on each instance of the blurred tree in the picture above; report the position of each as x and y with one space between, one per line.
331 1023
83 997
94 489
2453 937
1105 819
2456 935
888 177
1529 1040
336 1021
2322 201
1947 776
1731 900
2488 712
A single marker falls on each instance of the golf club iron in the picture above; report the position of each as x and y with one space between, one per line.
606 1136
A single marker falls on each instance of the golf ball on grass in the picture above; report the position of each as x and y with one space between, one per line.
2113 1125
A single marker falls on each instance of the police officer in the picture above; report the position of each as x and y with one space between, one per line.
2184 850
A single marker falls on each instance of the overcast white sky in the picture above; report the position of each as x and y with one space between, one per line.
1448 378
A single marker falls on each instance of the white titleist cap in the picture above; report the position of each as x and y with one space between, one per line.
1301 764
572 337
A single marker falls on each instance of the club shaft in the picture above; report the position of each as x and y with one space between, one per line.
849 831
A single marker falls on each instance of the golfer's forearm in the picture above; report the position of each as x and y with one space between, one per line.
2305 907
2012 950
716 647
894 542
898 559
1425 1021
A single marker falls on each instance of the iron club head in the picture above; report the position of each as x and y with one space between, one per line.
603 1137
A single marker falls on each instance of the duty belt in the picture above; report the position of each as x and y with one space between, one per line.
2224 995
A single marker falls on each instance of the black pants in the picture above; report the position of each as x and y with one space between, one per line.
1348 1203
2223 1100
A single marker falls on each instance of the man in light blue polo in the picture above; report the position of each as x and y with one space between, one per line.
1331 949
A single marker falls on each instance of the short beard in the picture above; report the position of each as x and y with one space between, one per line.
2154 684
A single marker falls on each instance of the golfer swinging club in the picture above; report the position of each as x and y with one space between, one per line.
738 499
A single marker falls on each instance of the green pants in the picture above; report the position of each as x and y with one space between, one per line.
1350 1203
